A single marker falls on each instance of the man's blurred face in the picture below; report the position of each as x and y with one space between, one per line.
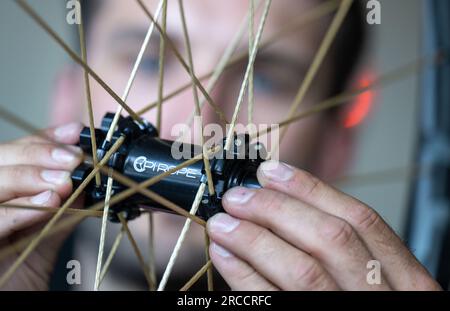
117 32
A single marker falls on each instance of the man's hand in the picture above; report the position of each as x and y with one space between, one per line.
297 233
35 172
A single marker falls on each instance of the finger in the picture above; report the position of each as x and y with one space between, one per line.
279 262
23 180
329 239
399 265
238 274
65 134
16 219
45 155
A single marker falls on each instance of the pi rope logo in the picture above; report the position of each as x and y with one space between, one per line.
140 164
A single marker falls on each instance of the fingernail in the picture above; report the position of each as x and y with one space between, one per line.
41 198
277 171
239 195
68 130
55 177
222 223
65 156
219 250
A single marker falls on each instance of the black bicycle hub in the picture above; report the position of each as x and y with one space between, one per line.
143 155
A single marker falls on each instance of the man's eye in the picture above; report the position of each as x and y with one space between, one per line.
277 76
150 65
263 83
271 84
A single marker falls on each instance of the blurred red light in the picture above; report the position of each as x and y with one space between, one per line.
362 104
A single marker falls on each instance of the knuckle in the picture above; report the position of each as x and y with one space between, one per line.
363 217
25 174
256 238
309 275
246 276
29 151
337 232
16 173
309 185
269 201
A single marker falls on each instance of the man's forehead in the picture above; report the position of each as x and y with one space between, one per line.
219 17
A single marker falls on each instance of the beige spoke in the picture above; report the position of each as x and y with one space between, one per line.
196 276
151 251
177 54
318 60
53 210
87 88
112 253
251 61
136 249
101 246
181 238
134 71
209 272
162 54
29 10
251 35
197 110
223 63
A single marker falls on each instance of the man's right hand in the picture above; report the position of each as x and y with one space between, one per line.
35 171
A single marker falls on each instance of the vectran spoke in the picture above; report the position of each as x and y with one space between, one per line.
251 61
251 38
29 10
151 251
318 59
101 246
197 110
196 277
209 272
53 210
136 250
177 54
162 54
134 71
87 88
223 63
181 238
111 255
